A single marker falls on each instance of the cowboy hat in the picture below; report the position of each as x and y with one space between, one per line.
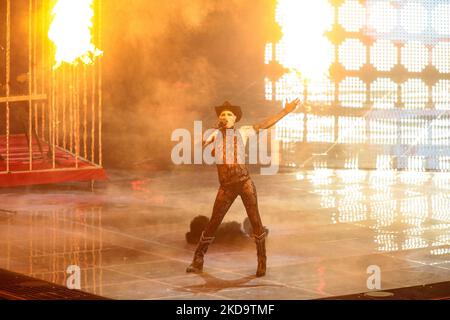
236 110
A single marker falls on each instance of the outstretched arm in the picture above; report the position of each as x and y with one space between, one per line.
269 122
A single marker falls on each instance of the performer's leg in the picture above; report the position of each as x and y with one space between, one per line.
250 200
224 199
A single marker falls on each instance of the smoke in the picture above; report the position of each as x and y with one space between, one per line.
167 63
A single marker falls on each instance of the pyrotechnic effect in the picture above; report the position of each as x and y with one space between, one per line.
71 32
304 47
61 135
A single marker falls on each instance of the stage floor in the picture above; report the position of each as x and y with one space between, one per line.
326 228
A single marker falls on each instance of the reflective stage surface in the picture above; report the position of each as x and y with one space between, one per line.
326 228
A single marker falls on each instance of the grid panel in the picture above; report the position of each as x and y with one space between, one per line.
389 67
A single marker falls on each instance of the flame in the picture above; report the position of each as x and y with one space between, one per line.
71 32
304 46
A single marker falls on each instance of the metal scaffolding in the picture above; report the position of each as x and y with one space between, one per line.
63 122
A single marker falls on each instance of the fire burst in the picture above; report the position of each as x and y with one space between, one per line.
71 32
304 47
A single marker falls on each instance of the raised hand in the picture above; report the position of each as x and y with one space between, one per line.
291 106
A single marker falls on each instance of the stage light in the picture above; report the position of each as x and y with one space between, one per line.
268 56
321 176
414 56
441 57
352 130
383 93
382 16
383 131
351 163
416 207
268 89
414 94
381 196
327 202
416 163
442 181
351 194
353 175
352 54
384 177
352 15
413 132
444 163
440 18
413 18
440 252
440 132
414 242
384 213
320 128
288 87
352 212
352 92
441 95
321 91
279 52
290 128
383 55
319 164
440 204
384 162
412 177
387 242
392 63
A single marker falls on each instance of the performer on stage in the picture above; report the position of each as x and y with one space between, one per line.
235 180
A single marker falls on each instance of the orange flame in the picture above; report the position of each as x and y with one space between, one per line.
304 47
71 32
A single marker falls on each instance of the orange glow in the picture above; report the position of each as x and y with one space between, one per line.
71 32
304 46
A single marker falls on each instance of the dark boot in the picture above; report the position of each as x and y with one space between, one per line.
197 263
261 252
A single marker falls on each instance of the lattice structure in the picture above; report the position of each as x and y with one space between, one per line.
386 91
51 114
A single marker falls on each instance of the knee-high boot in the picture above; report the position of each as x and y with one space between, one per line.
261 252
197 263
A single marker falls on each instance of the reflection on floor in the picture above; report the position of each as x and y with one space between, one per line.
435 291
326 228
16 286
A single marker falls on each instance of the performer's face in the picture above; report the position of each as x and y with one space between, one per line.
228 117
